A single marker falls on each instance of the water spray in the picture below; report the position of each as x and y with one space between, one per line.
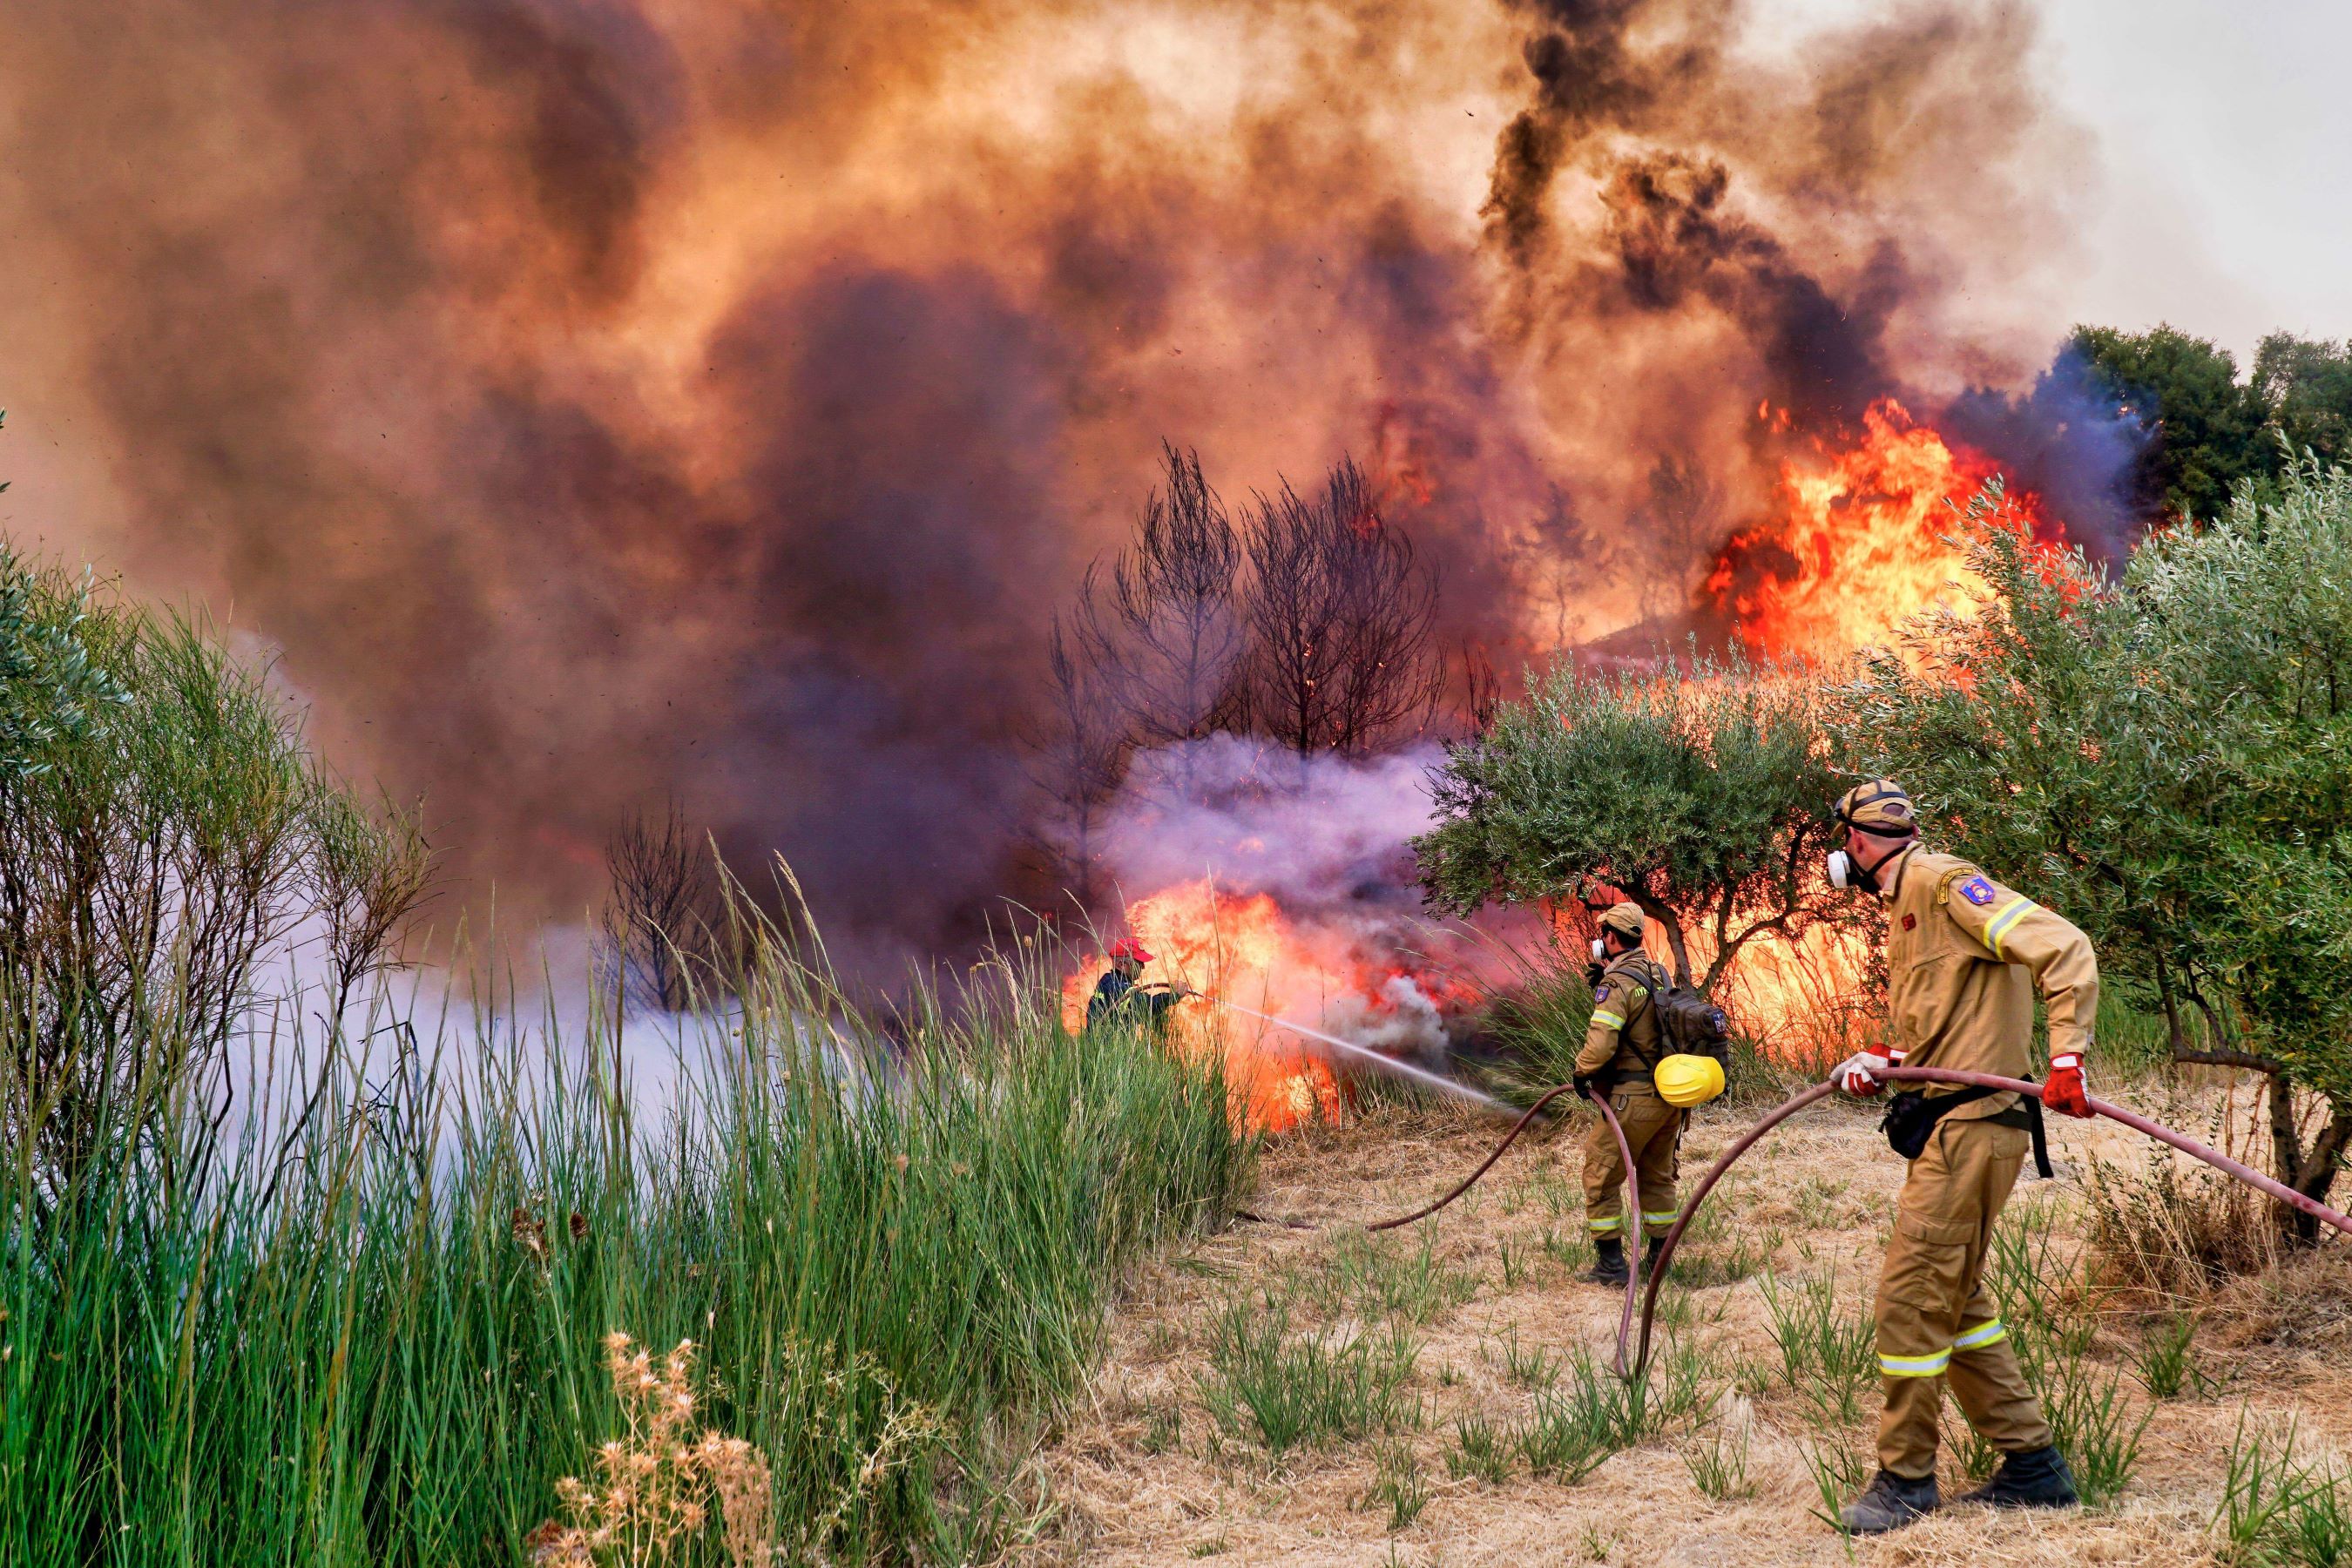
1388 1063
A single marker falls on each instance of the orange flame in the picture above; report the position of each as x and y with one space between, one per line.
1245 948
1861 542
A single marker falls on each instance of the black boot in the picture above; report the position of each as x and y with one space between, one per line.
1892 1502
1608 1262
2039 1478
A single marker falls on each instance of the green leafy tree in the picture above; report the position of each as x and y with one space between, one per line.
2211 428
1702 799
2308 388
2164 761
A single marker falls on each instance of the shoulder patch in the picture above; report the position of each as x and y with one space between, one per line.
1600 995
1977 890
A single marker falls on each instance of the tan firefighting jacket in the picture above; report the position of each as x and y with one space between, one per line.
1623 1034
1963 955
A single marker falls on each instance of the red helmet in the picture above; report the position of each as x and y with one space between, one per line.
1128 947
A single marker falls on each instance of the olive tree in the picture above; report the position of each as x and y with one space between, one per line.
1702 798
2164 760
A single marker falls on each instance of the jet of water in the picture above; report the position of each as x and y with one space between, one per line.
1387 1064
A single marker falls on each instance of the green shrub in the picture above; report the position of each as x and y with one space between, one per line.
163 831
2277 1510
1828 1353
2163 1361
1574 1428
1398 1484
1479 1449
1286 1387
1719 1466
2089 1416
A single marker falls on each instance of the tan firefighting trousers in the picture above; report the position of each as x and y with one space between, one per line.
1936 1321
1653 1131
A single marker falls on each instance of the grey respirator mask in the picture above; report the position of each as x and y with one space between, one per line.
1599 951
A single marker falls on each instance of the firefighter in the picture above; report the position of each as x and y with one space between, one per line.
1963 957
1622 1047
1119 998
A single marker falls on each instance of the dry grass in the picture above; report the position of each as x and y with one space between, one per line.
1145 1475
652 1498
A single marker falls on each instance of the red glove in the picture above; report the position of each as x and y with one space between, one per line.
2063 1093
1858 1074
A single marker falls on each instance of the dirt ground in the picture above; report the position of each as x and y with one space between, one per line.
1145 1473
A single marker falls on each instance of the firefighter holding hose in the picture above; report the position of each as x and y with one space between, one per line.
1120 998
1622 1048
1963 956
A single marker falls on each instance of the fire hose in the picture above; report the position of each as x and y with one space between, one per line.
1748 1139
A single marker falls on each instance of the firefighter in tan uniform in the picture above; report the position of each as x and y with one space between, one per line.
1963 956
1622 1050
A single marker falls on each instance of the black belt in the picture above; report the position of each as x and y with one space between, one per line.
1911 1119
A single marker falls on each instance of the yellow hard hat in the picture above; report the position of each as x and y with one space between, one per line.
1877 806
1687 1080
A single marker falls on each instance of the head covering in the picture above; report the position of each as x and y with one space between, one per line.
1688 1080
1128 947
1877 806
1624 919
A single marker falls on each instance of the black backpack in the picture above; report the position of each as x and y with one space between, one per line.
1690 1024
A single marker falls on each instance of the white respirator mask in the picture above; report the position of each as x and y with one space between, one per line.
1845 872
1599 953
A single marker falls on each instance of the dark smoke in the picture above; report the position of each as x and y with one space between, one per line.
600 401
2067 442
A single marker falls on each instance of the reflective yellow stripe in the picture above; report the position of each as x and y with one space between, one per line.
1611 1019
1614 1222
1915 1365
1660 1217
1983 1335
2012 912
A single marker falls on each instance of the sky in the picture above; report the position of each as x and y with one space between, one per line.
2217 189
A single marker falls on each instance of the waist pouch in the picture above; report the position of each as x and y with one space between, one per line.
1911 1117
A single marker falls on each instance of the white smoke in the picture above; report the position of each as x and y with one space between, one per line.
1329 838
1400 1020
1318 831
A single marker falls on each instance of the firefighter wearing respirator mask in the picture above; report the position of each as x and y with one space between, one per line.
1964 955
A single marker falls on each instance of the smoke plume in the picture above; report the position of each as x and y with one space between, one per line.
605 400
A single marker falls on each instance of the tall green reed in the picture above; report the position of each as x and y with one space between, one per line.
377 1336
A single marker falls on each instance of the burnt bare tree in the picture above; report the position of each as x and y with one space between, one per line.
1080 751
1341 618
1677 526
661 918
1482 689
1559 556
1164 628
